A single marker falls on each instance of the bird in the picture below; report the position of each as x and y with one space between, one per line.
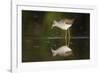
63 24
62 51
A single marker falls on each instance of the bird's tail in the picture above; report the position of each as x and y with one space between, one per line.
53 52
54 24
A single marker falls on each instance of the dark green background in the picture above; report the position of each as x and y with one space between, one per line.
38 38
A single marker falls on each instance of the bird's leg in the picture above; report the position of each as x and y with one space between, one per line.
68 36
65 37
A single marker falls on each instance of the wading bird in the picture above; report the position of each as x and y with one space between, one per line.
63 24
62 51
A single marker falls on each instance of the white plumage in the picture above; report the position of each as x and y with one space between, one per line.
63 24
62 51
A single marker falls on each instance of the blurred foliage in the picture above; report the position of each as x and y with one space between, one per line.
38 38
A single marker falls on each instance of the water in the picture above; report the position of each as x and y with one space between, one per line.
38 38
41 51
